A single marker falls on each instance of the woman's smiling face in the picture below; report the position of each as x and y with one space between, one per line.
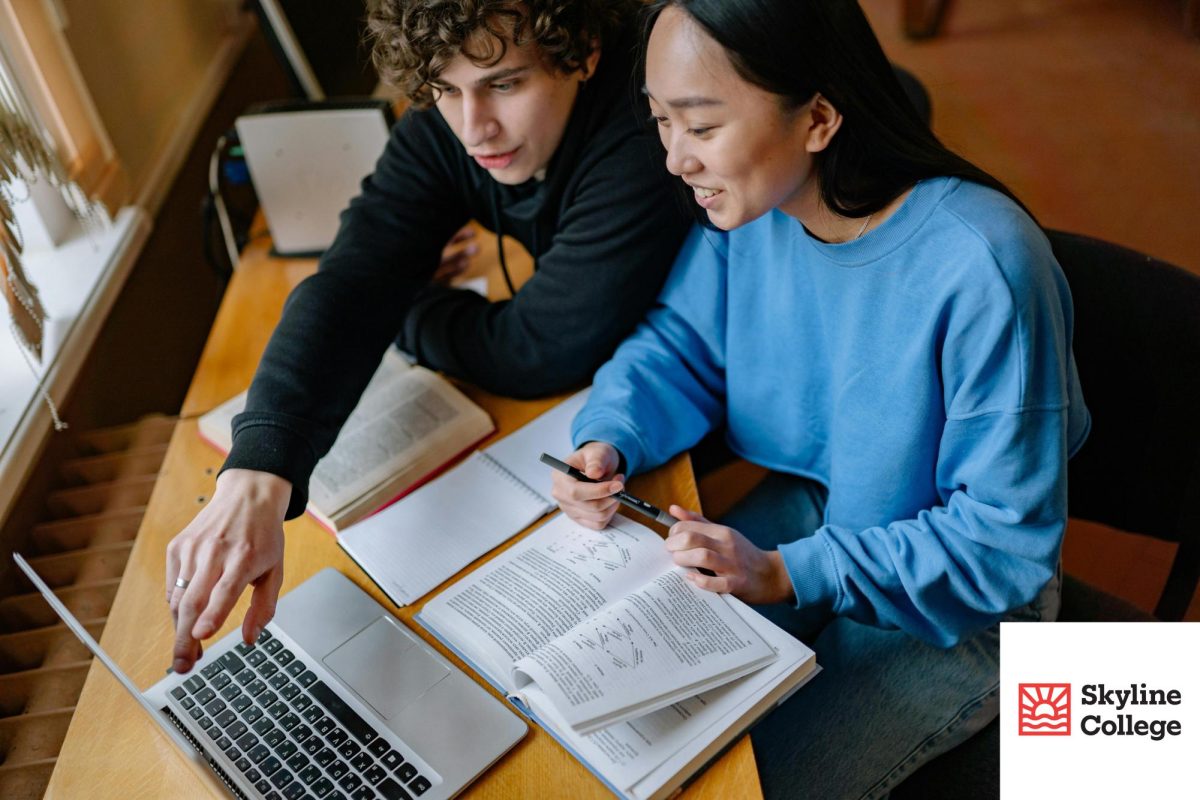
733 143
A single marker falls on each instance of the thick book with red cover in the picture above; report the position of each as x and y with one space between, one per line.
409 426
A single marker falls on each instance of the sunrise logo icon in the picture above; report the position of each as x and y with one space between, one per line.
1044 709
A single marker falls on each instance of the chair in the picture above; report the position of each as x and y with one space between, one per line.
1137 346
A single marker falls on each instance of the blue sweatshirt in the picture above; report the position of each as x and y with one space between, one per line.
922 373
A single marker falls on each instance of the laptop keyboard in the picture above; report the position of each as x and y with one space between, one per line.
288 732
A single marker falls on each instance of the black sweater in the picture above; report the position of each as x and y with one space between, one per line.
603 228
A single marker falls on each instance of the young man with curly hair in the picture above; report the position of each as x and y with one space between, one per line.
526 117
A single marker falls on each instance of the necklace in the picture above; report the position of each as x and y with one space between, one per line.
863 229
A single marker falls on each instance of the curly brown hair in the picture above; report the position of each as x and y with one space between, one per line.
412 41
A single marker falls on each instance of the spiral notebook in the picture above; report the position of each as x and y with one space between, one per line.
410 547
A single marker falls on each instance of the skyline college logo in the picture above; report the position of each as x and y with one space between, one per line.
1044 709
1099 710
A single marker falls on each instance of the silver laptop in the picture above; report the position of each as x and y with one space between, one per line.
307 160
336 699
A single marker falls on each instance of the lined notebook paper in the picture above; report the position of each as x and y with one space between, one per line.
410 547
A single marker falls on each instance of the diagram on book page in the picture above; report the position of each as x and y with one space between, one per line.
616 639
593 554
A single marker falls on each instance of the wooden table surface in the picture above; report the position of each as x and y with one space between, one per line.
113 750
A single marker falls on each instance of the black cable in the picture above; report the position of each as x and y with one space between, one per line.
512 291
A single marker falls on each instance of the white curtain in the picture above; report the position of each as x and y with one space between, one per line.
25 157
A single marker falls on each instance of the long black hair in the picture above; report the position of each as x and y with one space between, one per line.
797 48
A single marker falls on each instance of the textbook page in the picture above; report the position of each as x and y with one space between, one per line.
217 425
641 755
666 641
408 419
555 578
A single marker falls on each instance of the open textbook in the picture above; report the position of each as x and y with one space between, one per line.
495 493
599 638
408 424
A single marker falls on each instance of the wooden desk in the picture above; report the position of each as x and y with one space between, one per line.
112 750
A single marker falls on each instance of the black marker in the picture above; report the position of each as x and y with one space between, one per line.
654 513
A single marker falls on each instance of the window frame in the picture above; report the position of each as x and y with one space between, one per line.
45 69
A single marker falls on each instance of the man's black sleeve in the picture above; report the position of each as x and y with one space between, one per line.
337 323
616 240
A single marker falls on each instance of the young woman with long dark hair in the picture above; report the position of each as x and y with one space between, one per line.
882 325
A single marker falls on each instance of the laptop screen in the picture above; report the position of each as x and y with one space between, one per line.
198 763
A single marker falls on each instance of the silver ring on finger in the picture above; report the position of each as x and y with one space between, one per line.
181 583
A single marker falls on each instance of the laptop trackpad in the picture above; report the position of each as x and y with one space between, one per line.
383 663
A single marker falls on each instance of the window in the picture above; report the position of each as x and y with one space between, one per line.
41 63
121 89
76 269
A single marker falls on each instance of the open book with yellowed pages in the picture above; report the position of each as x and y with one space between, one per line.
598 637
409 424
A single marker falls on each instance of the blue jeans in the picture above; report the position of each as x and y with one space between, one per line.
885 703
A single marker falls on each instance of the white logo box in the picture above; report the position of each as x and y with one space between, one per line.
1148 748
